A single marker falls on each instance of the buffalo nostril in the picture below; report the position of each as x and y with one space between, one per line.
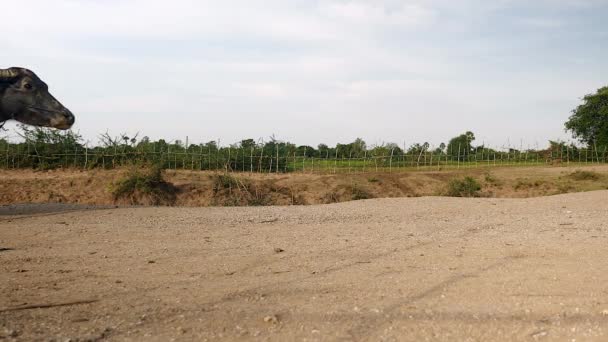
69 116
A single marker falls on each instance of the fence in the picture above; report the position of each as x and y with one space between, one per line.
265 160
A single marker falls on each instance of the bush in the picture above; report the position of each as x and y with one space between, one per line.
584 175
523 184
467 187
229 190
144 187
359 193
492 180
226 181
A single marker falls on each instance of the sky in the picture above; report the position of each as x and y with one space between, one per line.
314 71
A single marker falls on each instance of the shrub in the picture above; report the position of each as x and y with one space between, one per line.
466 187
359 193
584 175
492 180
144 187
351 192
229 190
527 184
226 181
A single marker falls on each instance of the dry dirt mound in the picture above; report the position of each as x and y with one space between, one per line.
187 188
409 269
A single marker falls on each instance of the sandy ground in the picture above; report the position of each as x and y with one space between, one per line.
408 269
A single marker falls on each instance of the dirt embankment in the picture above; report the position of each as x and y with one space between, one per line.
188 188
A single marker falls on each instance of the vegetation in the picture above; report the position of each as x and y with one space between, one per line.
585 175
229 190
466 187
359 193
50 149
589 121
524 184
462 144
144 187
492 180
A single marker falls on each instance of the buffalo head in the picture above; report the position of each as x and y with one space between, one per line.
25 97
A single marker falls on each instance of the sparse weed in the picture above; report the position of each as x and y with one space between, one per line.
492 180
523 184
229 190
352 192
466 187
580 175
564 188
359 193
146 186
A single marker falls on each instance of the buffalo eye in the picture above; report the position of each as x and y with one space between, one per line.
27 86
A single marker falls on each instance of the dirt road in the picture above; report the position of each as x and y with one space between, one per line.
409 269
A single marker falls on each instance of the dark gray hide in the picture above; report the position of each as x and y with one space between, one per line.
25 98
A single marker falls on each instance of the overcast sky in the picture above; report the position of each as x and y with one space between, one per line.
314 71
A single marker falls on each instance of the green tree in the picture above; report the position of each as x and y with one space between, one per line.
589 121
247 144
462 143
355 149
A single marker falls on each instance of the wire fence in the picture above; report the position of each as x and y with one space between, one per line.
275 160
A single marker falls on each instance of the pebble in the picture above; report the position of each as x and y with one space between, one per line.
271 319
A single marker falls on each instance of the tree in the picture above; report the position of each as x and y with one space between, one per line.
247 144
461 143
589 121
324 151
356 149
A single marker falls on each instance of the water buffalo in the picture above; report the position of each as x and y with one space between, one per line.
25 98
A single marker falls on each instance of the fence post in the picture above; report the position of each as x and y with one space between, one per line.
459 156
336 160
251 161
596 153
304 160
260 161
277 167
270 170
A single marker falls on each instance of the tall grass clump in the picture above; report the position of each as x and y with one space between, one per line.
359 193
580 175
466 187
229 190
144 186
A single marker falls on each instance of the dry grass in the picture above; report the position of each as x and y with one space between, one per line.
580 175
466 187
143 187
192 188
